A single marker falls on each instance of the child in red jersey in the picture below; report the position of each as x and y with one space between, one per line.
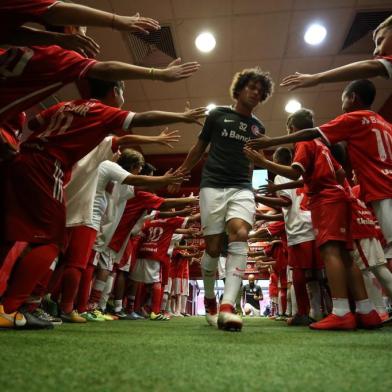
152 266
381 65
330 212
369 148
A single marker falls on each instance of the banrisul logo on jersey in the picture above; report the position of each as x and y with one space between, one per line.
255 130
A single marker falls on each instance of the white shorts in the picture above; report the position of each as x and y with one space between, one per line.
181 286
251 310
383 212
222 267
219 205
147 271
168 287
368 253
104 260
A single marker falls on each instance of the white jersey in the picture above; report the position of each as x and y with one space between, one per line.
176 238
108 171
297 218
80 190
116 202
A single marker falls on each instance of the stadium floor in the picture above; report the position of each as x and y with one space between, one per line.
187 355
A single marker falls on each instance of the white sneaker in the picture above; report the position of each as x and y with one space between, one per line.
228 320
211 311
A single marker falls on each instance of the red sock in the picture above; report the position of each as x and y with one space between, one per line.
85 288
32 268
299 282
156 297
9 254
283 299
70 284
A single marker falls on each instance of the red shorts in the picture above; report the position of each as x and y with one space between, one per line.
331 222
279 253
33 200
305 256
80 244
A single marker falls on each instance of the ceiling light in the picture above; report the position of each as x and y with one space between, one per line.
292 106
205 42
210 106
315 34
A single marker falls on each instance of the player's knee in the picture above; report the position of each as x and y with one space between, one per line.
213 250
239 235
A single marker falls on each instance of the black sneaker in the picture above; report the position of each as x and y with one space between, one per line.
299 321
33 322
50 307
42 315
123 316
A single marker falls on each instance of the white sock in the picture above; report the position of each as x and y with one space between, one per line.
99 285
340 306
118 305
314 293
374 291
235 268
184 299
209 266
294 307
106 292
364 306
384 276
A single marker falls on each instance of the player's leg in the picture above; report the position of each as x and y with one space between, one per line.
383 212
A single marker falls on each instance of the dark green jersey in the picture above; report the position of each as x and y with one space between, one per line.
227 132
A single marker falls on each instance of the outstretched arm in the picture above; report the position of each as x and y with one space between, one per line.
274 202
359 70
166 138
260 160
28 36
64 14
116 70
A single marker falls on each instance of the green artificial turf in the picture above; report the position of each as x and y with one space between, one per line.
187 355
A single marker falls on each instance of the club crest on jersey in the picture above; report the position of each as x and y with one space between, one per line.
255 130
243 126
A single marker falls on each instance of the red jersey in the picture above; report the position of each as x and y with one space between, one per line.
363 222
15 13
143 201
318 172
70 130
157 237
369 147
29 75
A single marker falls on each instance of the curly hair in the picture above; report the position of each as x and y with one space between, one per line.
256 74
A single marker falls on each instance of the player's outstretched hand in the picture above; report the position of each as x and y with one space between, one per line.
82 44
176 71
193 115
257 157
268 188
172 177
299 80
261 142
167 137
135 24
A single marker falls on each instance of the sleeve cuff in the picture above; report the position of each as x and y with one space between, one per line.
299 165
388 66
128 121
323 135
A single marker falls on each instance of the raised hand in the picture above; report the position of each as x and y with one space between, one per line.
172 177
176 71
268 188
257 157
80 43
261 142
135 24
193 115
167 137
299 80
